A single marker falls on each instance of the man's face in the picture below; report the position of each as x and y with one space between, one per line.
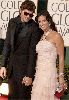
26 15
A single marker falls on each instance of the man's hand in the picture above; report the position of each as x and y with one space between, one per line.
27 81
3 72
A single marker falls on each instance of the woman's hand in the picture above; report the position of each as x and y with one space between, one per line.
27 81
62 82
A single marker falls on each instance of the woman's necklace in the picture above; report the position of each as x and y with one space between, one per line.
46 34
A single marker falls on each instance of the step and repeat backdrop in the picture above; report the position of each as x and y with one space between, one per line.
8 10
59 10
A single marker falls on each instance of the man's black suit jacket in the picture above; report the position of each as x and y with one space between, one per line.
21 57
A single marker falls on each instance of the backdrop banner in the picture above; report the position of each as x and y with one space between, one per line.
59 10
8 10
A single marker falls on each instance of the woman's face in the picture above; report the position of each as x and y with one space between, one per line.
43 23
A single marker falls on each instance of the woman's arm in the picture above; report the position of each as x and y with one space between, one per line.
60 52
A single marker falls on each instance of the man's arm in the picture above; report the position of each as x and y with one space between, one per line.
5 53
36 34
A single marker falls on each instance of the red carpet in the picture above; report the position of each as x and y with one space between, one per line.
3 98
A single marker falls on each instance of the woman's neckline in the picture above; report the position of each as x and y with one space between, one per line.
46 34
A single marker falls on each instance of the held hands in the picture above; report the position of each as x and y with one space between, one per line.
27 81
3 72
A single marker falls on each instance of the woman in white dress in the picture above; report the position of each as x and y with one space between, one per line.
48 48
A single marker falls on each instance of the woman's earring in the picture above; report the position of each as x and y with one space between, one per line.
49 24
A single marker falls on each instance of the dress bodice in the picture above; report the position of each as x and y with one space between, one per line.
47 50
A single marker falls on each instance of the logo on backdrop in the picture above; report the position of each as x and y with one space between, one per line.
59 10
8 9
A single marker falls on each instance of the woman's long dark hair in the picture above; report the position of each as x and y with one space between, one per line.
48 18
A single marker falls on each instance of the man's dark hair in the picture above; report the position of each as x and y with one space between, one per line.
27 4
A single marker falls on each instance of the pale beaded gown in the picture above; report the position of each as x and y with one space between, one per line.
45 81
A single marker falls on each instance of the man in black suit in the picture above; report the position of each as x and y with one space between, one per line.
19 54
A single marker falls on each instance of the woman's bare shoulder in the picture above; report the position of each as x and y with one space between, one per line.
57 35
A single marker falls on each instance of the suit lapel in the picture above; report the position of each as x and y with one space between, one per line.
12 36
